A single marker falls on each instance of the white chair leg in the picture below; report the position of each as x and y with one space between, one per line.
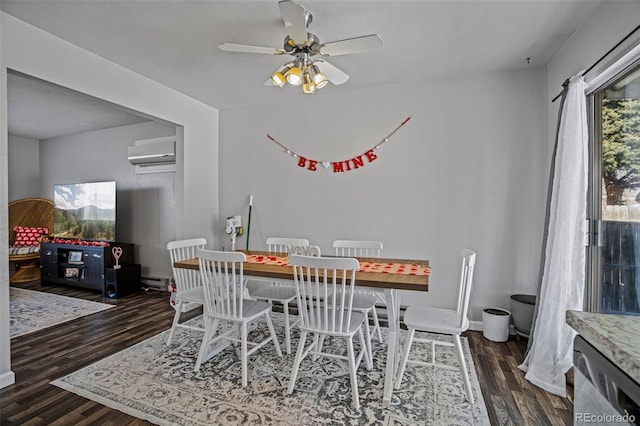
463 368
353 373
296 362
368 361
367 338
176 321
209 329
318 340
274 337
287 326
238 332
376 324
405 357
243 352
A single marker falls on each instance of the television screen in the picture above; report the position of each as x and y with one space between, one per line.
74 256
85 211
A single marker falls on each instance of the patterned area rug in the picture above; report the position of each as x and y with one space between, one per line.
30 310
157 383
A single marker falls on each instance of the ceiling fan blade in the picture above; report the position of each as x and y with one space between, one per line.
351 45
243 48
333 74
293 16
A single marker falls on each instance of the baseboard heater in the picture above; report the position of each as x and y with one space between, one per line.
156 283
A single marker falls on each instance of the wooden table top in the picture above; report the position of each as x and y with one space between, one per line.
399 281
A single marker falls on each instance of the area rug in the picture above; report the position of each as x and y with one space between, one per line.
30 310
156 382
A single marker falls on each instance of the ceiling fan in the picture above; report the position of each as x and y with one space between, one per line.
305 68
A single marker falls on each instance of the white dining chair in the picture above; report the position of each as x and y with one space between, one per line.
282 245
365 300
222 277
189 292
325 305
279 291
442 321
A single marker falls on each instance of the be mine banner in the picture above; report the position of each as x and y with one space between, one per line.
343 165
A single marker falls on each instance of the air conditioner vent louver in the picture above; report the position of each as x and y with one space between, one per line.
153 153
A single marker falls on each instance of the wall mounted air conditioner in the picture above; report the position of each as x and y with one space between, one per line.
154 155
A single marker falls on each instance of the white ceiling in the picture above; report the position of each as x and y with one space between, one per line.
40 110
175 42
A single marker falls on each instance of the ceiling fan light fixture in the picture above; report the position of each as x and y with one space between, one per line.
308 87
303 46
319 79
294 76
278 78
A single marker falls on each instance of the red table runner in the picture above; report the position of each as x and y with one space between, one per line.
365 266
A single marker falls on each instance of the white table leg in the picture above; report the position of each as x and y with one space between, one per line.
392 302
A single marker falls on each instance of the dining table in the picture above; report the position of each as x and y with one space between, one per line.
385 276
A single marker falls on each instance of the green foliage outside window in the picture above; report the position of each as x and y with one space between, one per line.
620 147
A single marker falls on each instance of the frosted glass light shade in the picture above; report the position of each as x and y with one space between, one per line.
294 76
278 79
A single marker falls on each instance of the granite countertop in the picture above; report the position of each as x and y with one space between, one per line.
615 336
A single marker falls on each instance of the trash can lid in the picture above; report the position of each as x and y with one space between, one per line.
496 311
529 299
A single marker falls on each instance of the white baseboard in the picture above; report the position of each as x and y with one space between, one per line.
188 306
156 283
7 379
477 326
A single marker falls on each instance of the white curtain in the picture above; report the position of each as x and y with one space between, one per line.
562 287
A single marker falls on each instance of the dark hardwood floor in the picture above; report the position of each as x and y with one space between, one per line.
510 398
45 355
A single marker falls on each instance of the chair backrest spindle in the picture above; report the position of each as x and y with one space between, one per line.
357 248
222 276
325 291
279 245
185 279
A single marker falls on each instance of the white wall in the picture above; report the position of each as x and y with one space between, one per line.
34 52
24 168
468 170
7 377
609 24
146 210
31 51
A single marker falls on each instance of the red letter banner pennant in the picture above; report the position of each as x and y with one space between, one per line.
339 166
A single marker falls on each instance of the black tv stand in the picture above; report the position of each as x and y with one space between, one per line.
80 265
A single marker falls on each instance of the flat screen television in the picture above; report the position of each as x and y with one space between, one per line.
85 211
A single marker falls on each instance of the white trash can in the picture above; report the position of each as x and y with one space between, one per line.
495 324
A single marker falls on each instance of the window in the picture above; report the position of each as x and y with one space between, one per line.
615 196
